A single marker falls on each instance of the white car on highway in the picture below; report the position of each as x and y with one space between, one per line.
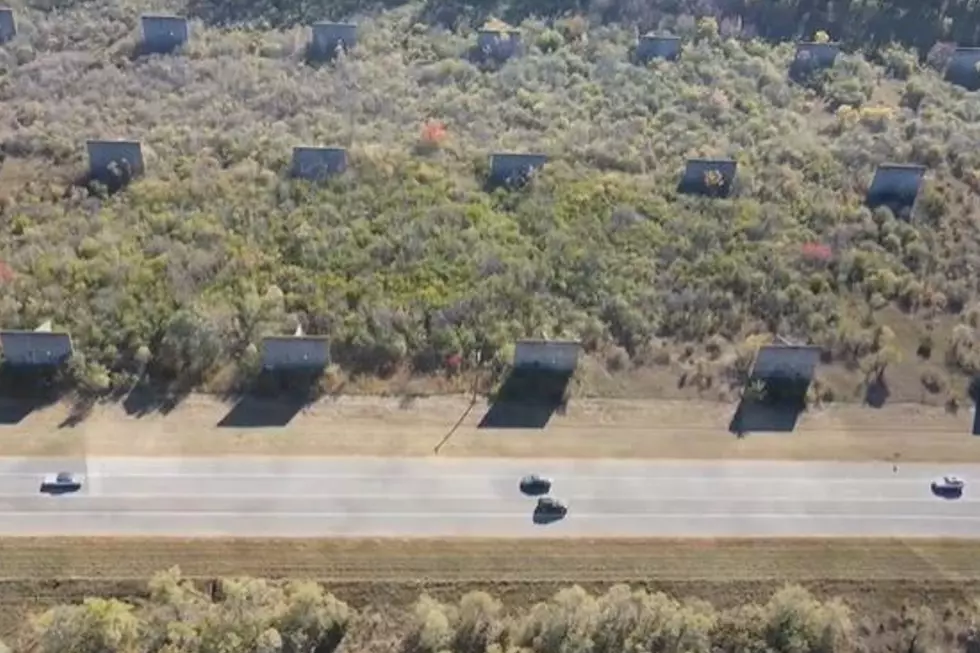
948 484
61 482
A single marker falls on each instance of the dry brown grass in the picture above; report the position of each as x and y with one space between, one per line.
873 575
484 560
361 425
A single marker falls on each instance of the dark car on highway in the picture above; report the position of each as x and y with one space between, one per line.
534 485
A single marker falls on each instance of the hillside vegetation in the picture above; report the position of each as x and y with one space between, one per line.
407 263
258 616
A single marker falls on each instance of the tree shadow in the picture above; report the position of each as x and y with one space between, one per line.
81 408
770 406
527 399
146 398
273 399
26 389
877 392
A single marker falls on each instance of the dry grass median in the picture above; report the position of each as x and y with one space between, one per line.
871 574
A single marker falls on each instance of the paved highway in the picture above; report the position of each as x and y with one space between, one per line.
306 497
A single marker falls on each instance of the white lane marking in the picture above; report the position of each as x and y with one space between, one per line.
571 478
393 496
482 515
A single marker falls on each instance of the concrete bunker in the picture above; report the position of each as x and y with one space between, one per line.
114 163
328 39
31 363
290 371
896 186
775 392
513 171
498 44
652 47
163 34
813 57
963 68
8 25
318 163
708 177
536 385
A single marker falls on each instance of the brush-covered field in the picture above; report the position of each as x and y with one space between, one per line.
412 268
487 596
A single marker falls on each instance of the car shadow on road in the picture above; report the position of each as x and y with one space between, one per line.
949 494
56 491
544 517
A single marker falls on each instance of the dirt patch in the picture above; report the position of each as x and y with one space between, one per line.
360 425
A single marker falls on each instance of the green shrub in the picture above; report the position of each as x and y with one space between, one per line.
404 261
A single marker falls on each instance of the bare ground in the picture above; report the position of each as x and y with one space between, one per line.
364 425
872 575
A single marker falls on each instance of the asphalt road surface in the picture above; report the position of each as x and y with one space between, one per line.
293 497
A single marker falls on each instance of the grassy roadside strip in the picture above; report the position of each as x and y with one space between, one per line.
497 560
871 574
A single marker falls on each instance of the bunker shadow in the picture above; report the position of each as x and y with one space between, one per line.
527 399
273 399
770 406
26 389
974 392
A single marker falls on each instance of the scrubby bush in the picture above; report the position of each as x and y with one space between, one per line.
405 261
259 616
245 615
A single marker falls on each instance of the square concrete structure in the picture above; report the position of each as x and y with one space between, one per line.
709 177
35 348
499 44
318 163
8 25
962 68
509 169
649 48
328 37
811 57
895 186
547 355
295 353
164 34
111 161
786 362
